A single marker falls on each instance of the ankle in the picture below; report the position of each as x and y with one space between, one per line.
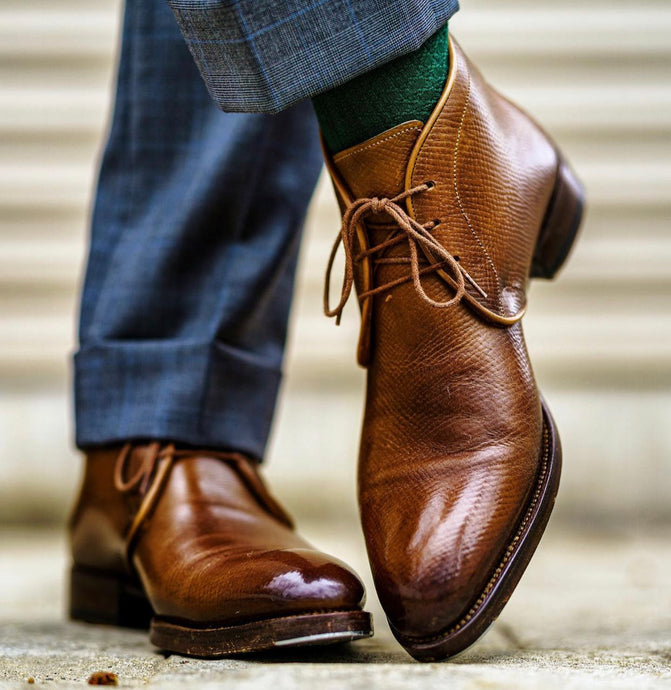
404 89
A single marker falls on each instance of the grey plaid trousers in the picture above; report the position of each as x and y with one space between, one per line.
266 55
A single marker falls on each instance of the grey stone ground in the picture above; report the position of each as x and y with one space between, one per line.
593 611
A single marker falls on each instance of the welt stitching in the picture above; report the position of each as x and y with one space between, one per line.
337 159
456 186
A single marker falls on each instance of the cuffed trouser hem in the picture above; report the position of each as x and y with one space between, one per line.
264 56
202 394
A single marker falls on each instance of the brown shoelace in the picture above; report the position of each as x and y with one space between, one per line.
140 480
417 236
143 479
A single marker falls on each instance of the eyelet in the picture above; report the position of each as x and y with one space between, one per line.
436 222
430 184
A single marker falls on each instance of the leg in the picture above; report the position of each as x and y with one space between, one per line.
194 242
193 249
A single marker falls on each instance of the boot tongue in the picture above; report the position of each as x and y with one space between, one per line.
377 167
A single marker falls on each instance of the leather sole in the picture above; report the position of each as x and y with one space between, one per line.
311 629
511 567
104 598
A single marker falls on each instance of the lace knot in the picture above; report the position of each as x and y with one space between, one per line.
378 205
417 235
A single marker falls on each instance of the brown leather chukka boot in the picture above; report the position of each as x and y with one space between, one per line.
191 543
444 223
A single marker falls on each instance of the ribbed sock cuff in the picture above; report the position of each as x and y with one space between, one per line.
402 90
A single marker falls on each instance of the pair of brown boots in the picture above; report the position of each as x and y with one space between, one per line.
443 225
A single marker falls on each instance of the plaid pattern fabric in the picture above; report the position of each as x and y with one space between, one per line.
194 239
265 55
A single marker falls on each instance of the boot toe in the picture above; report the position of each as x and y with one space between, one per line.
254 585
437 560
311 580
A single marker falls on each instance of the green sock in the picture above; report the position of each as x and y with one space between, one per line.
406 88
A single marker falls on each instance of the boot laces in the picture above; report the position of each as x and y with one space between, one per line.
156 452
418 236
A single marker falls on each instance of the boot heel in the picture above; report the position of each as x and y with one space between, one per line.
99 597
560 226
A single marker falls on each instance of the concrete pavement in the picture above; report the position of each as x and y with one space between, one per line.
593 611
